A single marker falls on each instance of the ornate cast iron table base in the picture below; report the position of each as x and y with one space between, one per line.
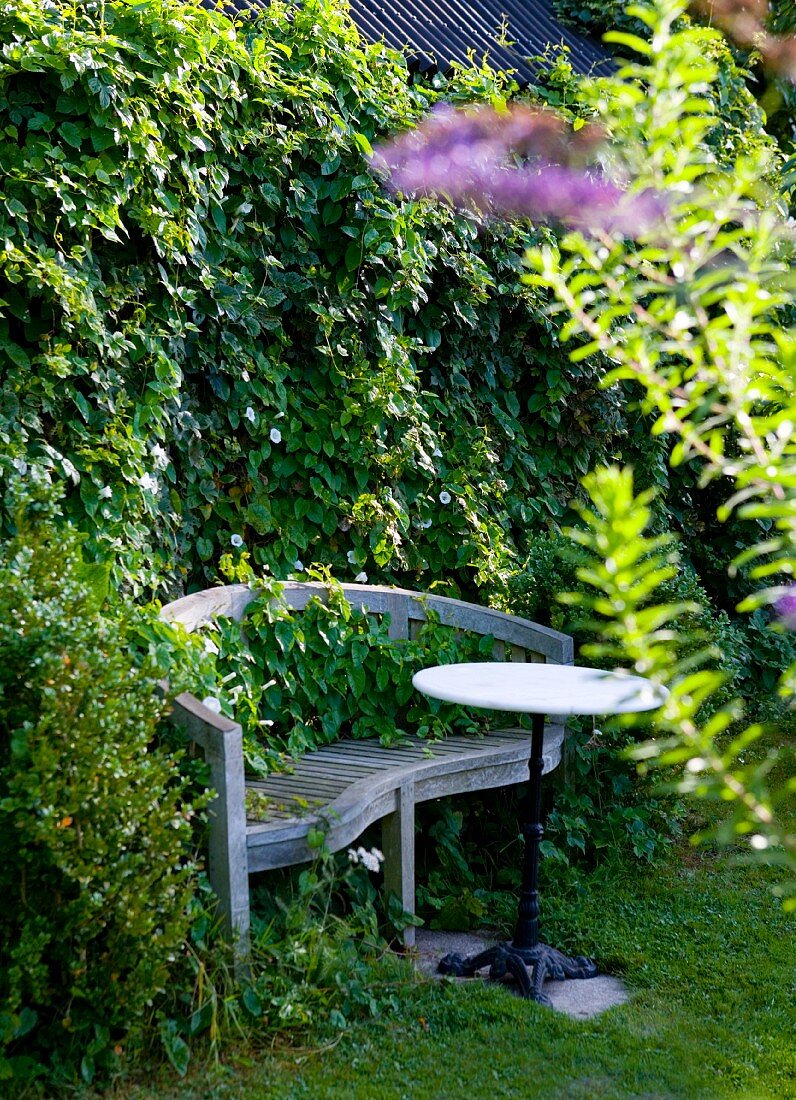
505 958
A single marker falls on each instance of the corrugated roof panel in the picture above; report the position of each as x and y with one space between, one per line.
436 33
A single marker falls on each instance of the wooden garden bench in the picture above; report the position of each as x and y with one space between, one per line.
261 824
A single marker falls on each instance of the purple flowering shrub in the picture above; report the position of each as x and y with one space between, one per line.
516 162
785 607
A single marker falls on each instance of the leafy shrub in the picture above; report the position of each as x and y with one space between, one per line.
747 652
318 948
216 324
602 803
94 828
318 961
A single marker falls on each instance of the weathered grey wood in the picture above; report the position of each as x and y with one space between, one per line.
222 741
232 600
478 764
396 608
347 786
398 842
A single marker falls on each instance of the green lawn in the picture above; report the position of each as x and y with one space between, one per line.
703 946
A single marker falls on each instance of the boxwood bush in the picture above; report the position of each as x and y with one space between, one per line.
95 828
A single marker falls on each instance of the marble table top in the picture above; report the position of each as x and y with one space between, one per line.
539 688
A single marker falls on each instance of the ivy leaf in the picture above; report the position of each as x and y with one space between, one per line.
72 133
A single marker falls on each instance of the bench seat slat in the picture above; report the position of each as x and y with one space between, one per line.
464 766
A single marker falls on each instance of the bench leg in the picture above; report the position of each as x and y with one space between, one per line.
398 841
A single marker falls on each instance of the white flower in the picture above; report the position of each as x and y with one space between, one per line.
210 646
444 497
212 703
275 435
105 492
244 375
372 860
249 414
361 578
298 565
149 484
236 540
160 456
352 557
426 523
369 859
437 453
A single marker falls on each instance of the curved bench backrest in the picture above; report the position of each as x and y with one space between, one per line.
520 639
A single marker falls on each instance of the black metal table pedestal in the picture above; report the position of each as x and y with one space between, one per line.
525 951
504 958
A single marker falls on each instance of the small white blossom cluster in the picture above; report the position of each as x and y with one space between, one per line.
371 860
149 483
160 456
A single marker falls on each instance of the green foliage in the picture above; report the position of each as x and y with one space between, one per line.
215 324
740 123
697 313
297 680
318 960
595 16
95 871
601 804
623 575
317 953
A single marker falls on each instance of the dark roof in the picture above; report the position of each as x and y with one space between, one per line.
434 33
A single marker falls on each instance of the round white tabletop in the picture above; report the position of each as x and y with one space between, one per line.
539 688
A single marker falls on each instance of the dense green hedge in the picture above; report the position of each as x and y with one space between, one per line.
214 322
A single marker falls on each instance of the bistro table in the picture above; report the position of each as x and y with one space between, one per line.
536 690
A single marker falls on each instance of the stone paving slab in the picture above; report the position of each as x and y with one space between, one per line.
580 998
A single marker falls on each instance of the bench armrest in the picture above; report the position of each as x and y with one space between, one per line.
222 742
